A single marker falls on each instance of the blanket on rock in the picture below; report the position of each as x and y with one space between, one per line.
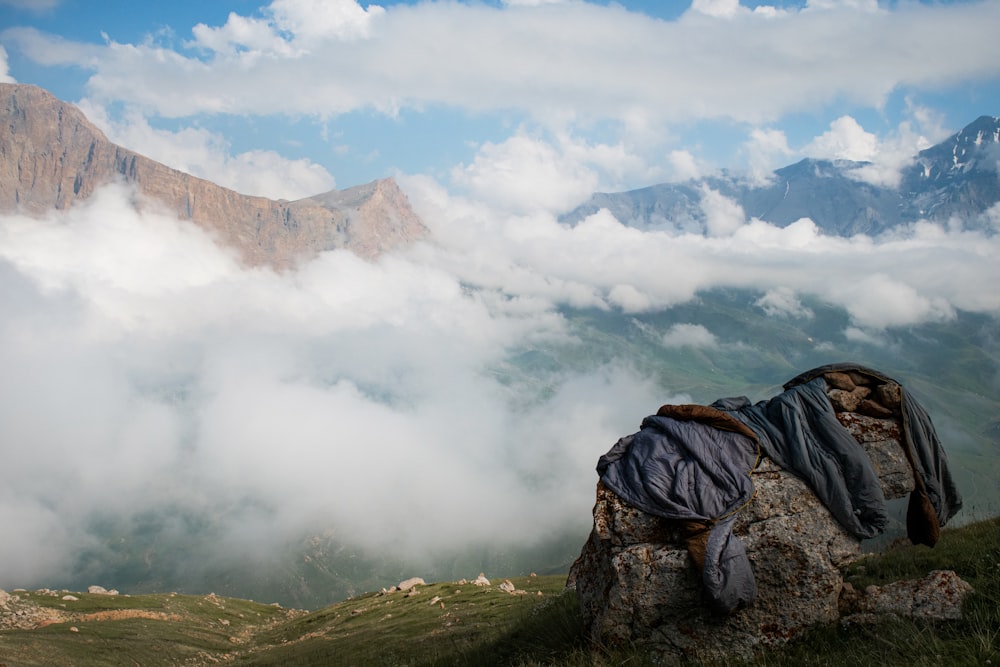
693 463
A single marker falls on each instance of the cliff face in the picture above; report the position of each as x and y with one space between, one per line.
51 156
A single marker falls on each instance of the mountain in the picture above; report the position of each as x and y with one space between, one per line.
957 177
51 156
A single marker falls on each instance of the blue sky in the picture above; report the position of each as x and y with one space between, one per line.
617 95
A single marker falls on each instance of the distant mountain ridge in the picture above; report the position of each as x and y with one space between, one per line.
957 177
51 156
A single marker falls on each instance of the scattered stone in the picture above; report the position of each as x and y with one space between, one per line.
844 401
435 599
507 587
481 580
410 583
938 596
840 381
100 590
871 408
70 598
73 628
857 378
888 394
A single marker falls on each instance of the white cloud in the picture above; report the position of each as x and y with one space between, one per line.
723 216
523 174
868 337
207 155
881 301
689 335
845 140
730 8
319 19
718 7
193 382
992 215
536 258
765 151
628 299
5 76
921 129
581 60
783 302
684 166
860 5
288 29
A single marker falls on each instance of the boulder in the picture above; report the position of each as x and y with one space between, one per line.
410 583
637 583
939 596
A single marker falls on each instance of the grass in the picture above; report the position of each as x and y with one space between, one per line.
452 625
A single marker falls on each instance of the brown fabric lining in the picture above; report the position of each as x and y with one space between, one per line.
922 525
707 415
695 536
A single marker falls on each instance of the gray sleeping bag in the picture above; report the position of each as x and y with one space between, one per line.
688 470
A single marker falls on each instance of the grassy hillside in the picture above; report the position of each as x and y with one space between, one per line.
447 624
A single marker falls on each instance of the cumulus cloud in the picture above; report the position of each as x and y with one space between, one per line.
846 140
413 56
884 158
5 76
783 302
523 173
684 166
765 150
723 216
602 263
287 29
689 335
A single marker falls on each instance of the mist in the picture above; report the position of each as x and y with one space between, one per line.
146 368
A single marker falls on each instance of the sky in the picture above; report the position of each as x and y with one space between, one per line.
295 97
271 402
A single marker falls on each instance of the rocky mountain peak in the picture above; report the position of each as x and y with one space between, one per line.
51 156
968 149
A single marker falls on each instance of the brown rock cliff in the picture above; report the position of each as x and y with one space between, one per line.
51 156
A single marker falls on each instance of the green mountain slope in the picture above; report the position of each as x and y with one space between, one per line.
459 623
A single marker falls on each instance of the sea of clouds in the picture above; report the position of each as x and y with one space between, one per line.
145 367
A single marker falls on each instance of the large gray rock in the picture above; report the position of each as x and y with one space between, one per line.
637 584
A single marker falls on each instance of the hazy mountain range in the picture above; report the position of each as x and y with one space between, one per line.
723 341
955 178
